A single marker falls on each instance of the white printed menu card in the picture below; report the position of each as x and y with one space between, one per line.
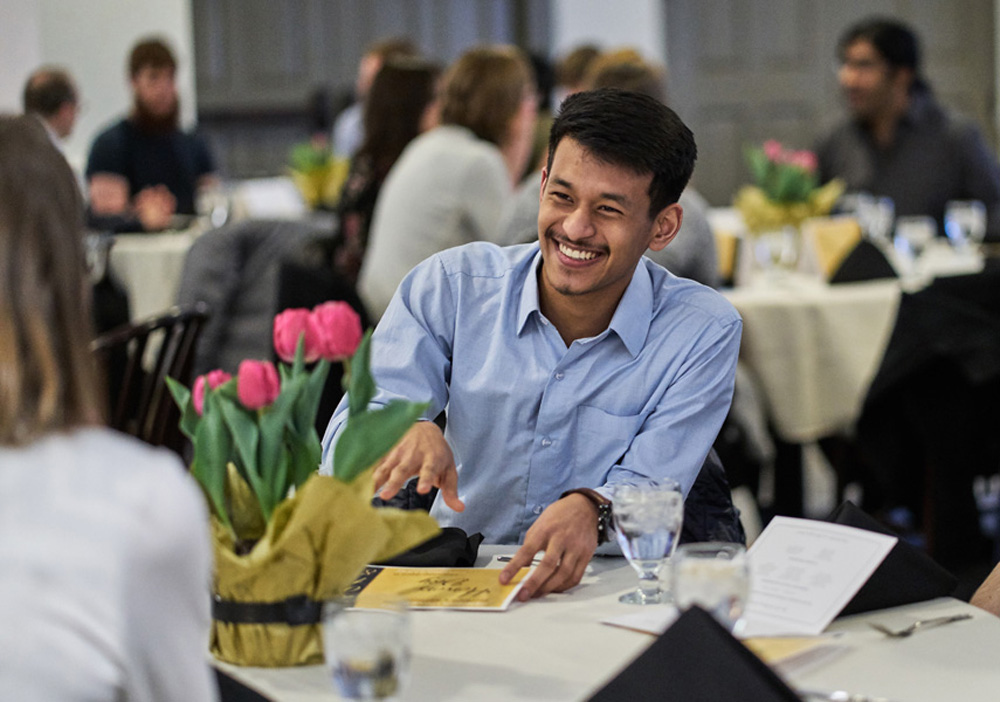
803 572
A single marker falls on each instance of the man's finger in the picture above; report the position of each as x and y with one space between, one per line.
449 490
546 568
524 556
568 575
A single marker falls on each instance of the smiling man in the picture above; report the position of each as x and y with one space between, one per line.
565 366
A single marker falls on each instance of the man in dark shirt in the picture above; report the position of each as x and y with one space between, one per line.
144 168
899 142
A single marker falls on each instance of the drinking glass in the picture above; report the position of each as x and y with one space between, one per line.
915 233
367 647
965 222
716 577
648 518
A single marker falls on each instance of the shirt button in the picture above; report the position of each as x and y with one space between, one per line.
560 375
537 509
546 442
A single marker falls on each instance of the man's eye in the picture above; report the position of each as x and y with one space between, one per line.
609 210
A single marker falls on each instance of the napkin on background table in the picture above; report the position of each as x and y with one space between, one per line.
906 575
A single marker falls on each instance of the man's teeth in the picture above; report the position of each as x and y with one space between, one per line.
575 254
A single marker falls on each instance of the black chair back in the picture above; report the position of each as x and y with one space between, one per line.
137 358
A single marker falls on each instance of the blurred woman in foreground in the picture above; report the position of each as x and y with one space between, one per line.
103 540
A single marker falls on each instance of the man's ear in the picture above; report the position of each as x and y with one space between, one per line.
666 224
545 179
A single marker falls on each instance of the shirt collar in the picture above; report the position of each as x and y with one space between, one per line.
630 321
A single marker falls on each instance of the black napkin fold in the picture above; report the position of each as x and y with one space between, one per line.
452 548
864 262
232 690
696 660
906 575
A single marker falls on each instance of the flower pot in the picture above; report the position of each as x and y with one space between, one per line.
267 602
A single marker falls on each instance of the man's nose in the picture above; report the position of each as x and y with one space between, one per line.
578 224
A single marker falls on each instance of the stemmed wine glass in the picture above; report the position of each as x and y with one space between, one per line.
648 518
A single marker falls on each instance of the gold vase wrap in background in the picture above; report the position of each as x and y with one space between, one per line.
315 545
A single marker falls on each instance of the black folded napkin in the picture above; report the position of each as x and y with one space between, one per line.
906 575
865 262
696 660
232 690
452 548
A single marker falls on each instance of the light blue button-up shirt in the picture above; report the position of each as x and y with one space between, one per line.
529 418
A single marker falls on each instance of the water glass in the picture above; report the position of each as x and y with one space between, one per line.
716 577
913 234
367 647
648 518
965 222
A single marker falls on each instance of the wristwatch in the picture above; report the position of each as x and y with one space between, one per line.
603 505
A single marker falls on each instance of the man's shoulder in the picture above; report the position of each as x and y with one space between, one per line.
671 293
482 259
113 134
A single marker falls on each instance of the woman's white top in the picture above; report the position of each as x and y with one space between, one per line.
105 570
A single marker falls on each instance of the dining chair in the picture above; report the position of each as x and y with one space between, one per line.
137 359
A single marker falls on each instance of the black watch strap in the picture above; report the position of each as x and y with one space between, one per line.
603 505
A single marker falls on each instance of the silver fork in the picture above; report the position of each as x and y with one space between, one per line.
919 624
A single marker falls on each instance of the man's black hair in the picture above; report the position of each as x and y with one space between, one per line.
632 131
896 43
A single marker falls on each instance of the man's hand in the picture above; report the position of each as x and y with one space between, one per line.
154 206
567 532
108 194
422 451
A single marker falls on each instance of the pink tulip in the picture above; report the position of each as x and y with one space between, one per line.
773 150
806 160
288 327
213 379
339 328
257 384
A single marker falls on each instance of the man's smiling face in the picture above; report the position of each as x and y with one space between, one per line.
594 225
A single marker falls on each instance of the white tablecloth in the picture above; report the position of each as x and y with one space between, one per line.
814 348
557 649
149 267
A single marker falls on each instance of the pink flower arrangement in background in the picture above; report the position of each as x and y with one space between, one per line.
776 153
785 188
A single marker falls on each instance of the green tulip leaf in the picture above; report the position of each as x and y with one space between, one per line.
246 439
189 416
361 387
370 435
212 448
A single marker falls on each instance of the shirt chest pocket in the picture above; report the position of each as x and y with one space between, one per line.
601 440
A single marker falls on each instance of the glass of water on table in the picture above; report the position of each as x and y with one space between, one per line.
647 519
367 646
716 577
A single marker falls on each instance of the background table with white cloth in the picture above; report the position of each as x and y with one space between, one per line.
149 268
556 648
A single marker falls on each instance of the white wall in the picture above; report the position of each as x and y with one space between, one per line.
92 40
19 48
636 23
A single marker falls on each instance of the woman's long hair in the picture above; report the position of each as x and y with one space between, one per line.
48 379
399 97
